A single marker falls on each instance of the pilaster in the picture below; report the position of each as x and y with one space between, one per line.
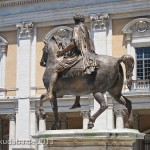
119 119
12 129
25 33
110 116
42 124
100 30
136 126
85 115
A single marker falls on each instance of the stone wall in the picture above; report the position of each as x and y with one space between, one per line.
11 58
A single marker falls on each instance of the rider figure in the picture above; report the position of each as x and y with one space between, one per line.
81 47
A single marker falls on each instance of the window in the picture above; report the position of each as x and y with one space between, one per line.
143 62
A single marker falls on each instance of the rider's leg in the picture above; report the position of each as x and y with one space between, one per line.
52 82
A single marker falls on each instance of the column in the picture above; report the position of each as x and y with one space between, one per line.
12 129
33 126
110 116
119 119
42 124
33 62
99 28
42 127
33 122
136 118
85 115
25 33
1 133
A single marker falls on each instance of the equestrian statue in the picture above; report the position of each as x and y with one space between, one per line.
76 69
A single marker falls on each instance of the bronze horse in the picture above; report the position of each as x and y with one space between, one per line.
107 78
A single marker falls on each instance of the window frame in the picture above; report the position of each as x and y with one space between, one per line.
143 59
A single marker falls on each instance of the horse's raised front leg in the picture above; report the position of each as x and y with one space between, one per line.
53 101
76 103
41 109
99 97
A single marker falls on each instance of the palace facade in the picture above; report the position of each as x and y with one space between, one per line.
117 27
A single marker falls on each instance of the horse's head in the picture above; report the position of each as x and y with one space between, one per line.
51 48
45 55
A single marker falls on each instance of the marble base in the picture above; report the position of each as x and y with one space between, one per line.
88 139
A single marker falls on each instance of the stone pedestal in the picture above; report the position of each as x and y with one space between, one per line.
115 139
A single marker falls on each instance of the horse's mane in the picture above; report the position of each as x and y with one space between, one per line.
59 41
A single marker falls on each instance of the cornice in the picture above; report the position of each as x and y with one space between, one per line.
9 3
64 16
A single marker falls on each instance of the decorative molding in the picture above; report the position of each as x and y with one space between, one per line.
141 26
62 31
129 28
3 45
63 15
9 3
99 21
12 117
137 32
25 29
85 114
119 113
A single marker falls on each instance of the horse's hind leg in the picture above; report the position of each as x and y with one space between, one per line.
76 103
99 97
127 103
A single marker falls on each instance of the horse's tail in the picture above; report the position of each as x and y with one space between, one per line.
129 64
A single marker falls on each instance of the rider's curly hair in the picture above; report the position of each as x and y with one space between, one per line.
79 18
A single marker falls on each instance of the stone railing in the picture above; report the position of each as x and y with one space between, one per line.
141 84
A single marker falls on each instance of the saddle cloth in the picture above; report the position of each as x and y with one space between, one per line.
77 70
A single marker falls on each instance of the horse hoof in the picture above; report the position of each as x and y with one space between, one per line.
128 125
55 126
90 125
44 116
75 106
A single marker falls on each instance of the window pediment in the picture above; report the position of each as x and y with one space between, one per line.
63 31
138 32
